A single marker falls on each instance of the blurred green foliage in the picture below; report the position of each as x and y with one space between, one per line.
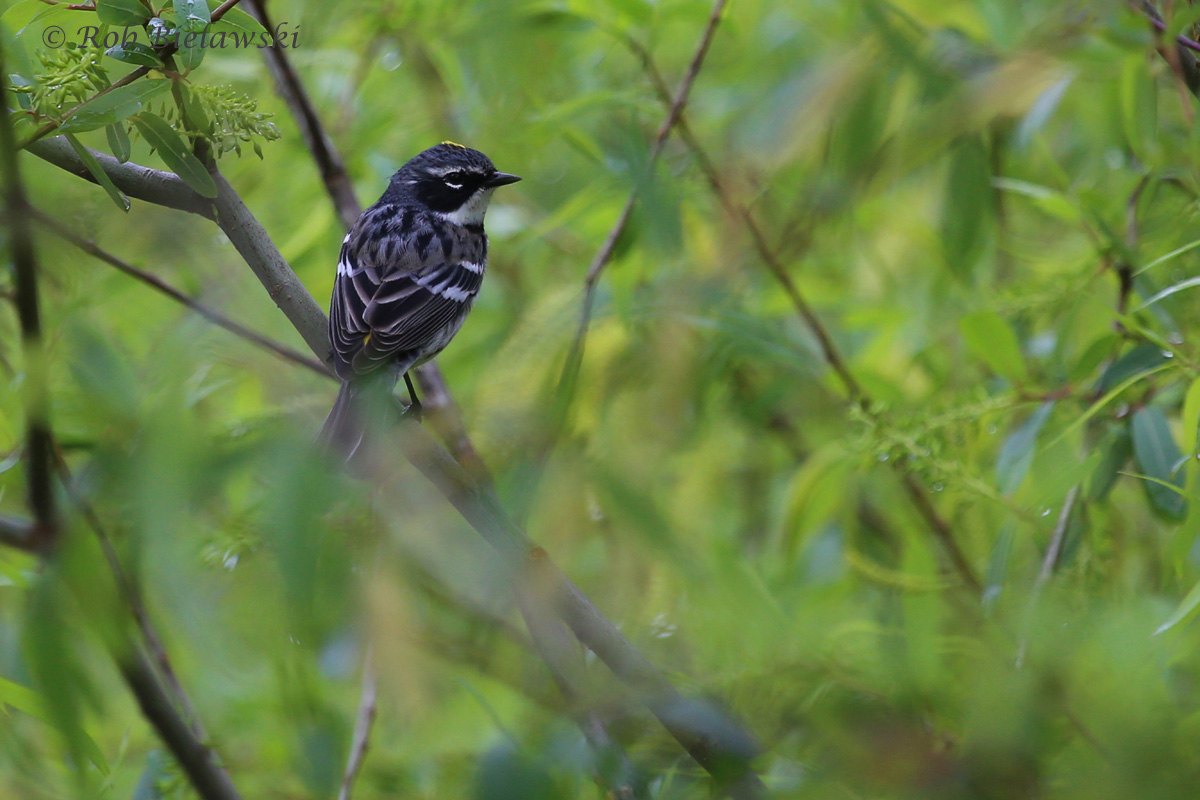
957 187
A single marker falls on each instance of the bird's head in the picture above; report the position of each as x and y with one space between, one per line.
453 181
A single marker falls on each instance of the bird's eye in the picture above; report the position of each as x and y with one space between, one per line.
453 179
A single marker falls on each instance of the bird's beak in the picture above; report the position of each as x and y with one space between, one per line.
501 179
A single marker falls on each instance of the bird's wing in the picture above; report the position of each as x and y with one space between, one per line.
394 293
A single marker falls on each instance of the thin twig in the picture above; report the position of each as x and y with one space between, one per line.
1147 11
220 10
604 254
210 314
362 726
39 473
132 595
1049 564
329 161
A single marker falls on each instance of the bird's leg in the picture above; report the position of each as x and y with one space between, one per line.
414 406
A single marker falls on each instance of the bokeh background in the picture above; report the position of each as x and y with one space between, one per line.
960 189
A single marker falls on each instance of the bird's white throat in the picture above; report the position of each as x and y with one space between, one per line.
470 212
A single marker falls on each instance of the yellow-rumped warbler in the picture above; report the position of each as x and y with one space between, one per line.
408 274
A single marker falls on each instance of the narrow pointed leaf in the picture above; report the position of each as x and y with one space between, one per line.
175 153
992 340
97 171
119 104
118 141
1017 452
122 12
1157 455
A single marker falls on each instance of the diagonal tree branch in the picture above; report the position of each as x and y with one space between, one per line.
210 781
141 183
716 741
39 471
132 595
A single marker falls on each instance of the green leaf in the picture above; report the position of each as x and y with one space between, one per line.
23 699
197 118
237 21
1157 456
1191 418
191 50
1040 112
1056 204
56 669
93 166
175 153
122 12
1016 454
135 53
192 15
1093 356
118 141
27 701
1188 283
1139 107
992 340
967 207
997 566
20 16
1186 607
1115 392
1115 449
1143 358
114 106
813 497
1176 253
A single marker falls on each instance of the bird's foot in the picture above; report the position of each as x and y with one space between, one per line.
414 411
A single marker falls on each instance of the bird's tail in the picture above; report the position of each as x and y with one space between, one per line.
346 426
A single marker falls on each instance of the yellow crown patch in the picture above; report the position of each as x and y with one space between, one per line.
455 144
